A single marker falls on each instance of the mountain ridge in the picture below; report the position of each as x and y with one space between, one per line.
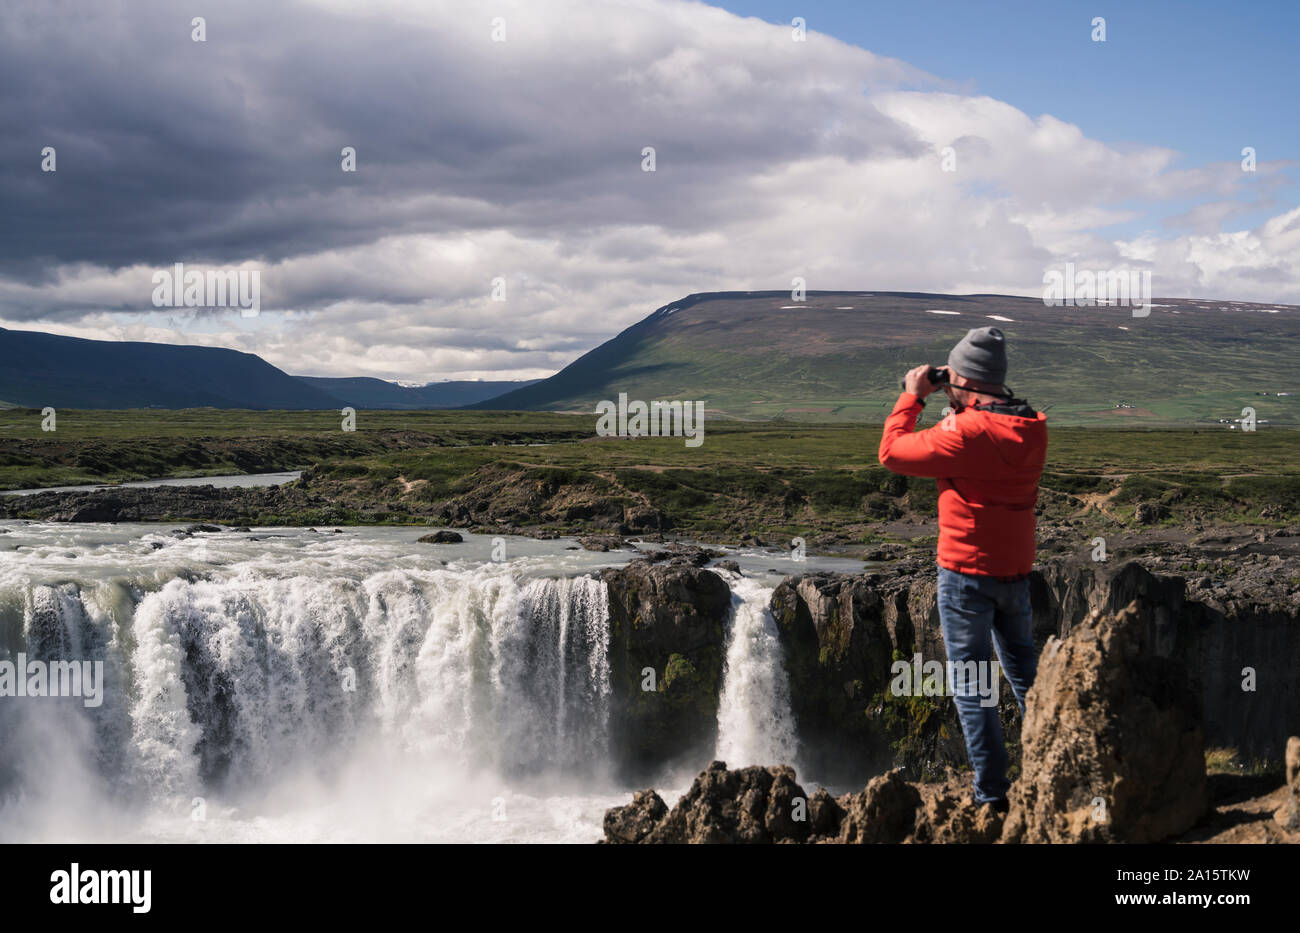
835 356
839 355
52 370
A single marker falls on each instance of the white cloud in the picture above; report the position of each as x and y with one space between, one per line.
522 159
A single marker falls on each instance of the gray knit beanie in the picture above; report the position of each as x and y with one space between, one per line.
981 355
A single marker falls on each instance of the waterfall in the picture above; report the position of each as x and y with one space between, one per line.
755 722
224 686
297 686
558 662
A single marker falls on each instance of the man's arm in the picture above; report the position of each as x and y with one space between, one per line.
933 452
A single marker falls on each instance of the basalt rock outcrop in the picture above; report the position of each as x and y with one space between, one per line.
747 805
1236 633
1233 626
635 822
666 649
501 497
1113 749
1113 752
883 812
767 805
842 634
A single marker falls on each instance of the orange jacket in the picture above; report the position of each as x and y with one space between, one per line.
987 461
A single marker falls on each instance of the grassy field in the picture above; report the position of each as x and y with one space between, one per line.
189 423
765 444
540 469
116 446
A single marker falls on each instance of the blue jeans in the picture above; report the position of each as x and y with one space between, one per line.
971 609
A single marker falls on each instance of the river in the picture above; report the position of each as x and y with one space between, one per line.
229 481
298 685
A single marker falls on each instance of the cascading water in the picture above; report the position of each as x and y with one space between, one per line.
558 664
232 685
288 685
755 722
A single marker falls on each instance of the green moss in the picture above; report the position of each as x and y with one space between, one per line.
679 668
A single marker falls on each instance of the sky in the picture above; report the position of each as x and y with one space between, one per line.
501 222
1201 77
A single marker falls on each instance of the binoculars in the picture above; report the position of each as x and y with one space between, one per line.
937 377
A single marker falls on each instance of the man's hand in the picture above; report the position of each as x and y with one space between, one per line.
916 382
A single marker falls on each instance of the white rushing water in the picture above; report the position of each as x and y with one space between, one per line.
294 685
755 723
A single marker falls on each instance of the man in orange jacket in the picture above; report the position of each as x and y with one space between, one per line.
987 455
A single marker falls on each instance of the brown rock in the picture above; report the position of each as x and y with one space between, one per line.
824 813
884 812
632 823
747 805
603 543
1288 815
441 537
1148 513
949 815
1112 744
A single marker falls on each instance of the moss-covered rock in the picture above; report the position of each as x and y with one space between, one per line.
667 645
842 636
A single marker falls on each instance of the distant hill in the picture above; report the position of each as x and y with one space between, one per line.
839 356
364 392
38 369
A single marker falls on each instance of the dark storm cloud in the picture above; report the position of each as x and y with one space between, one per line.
520 162
229 149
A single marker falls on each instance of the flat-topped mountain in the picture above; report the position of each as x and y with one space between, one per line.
839 356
